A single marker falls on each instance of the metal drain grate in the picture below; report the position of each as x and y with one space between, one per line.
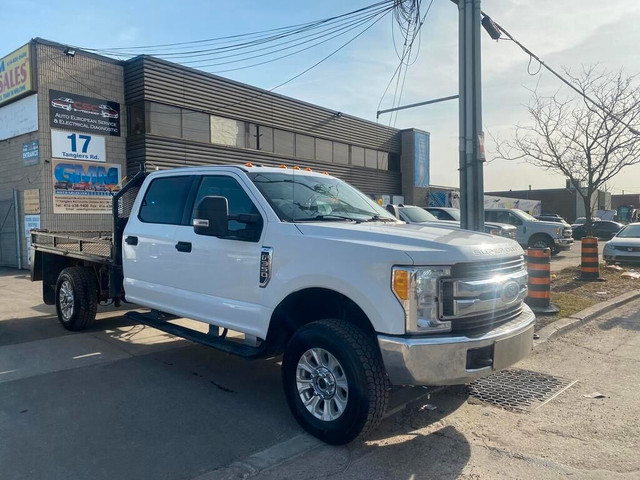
519 389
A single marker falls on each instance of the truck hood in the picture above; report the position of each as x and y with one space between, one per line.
424 244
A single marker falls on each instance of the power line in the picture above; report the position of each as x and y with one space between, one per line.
560 77
273 34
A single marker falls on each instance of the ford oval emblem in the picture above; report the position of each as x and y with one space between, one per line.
510 291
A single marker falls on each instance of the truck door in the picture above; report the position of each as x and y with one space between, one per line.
148 247
221 276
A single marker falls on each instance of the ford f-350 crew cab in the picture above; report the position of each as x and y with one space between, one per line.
306 266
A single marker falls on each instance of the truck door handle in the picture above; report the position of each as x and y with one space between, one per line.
131 240
183 247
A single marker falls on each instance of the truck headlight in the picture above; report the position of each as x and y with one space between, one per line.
417 290
559 232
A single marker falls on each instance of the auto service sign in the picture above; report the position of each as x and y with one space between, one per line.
15 75
84 114
83 187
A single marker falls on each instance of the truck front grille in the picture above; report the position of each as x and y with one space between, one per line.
481 296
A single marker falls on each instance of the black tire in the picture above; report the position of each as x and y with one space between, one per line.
368 385
80 283
541 241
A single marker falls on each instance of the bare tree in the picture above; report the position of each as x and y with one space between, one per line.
589 138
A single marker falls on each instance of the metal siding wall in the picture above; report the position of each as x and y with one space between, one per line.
176 85
83 75
164 153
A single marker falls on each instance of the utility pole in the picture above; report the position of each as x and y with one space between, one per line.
470 104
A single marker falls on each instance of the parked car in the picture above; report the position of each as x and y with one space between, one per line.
99 187
582 220
532 232
624 247
305 266
601 229
453 214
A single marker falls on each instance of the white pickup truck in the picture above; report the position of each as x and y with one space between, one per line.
301 264
533 233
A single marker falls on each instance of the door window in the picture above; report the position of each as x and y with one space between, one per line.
239 203
165 200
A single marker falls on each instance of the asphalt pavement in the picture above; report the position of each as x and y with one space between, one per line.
129 402
571 258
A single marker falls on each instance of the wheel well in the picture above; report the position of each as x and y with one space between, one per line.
546 236
308 305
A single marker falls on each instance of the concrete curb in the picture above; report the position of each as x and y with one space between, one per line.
565 324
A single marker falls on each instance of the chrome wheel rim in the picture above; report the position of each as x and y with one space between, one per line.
66 299
540 244
322 384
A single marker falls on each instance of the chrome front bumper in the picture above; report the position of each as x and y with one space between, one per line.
564 243
453 360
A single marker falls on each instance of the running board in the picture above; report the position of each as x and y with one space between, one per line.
154 320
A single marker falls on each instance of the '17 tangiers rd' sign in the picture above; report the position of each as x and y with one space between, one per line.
86 114
15 75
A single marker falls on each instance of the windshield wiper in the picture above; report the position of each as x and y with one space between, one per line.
378 218
328 218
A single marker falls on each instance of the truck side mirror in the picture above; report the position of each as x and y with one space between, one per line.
211 217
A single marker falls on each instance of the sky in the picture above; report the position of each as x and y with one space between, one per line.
567 33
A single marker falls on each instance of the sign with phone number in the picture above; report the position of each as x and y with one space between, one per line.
78 146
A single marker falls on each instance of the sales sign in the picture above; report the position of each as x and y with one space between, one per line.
15 75
84 114
30 222
421 159
78 146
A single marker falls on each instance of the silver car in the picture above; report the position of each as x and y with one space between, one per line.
625 246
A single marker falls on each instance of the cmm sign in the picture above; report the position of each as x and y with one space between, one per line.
15 75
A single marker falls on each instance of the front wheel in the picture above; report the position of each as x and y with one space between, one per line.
334 381
541 242
76 298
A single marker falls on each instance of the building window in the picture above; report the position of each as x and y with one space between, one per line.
283 142
305 147
324 150
383 160
341 153
164 120
195 126
260 138
357 156
394 162
370 158
136 119
225 131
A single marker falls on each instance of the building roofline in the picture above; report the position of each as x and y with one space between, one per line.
79 51
257 90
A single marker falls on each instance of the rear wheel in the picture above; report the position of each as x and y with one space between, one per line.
76 298
334 381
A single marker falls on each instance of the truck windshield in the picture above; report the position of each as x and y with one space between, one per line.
305 198
524 215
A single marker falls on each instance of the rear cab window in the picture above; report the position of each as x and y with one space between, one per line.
165 200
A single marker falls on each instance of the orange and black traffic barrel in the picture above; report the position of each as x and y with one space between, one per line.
590 266
539 269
